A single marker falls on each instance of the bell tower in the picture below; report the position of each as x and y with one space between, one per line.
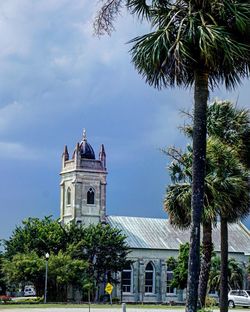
83 185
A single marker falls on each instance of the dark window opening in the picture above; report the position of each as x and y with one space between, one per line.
170 276
90 197
68 196
127 279
149 278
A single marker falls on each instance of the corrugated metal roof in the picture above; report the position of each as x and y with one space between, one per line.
153 233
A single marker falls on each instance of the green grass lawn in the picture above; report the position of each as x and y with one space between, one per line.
61 305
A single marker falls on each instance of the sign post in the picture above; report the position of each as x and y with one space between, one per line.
109 287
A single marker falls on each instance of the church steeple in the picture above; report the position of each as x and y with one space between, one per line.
65 155
102 156
84 136
84 177
85 148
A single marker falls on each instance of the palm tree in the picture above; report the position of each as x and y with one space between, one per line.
226 193
196 43
214 275
235 276
178 206
231 126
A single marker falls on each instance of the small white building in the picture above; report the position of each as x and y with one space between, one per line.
152 241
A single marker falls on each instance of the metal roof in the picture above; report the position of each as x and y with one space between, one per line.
150 233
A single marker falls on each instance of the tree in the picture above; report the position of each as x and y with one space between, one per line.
2 281
235 276
105 250
226 192
25 269
232 126
214 276
171 263
222 161
180 272
65 271
78 255
196 43
38 235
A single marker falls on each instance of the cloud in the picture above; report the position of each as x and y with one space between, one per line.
8 113
22 152
10 150
50 60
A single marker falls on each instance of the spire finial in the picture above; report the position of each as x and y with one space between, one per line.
84 136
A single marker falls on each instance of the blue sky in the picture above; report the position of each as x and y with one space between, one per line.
56 78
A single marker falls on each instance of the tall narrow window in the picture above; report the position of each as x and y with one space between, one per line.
90 196
127 285
170 289
149 278
68 196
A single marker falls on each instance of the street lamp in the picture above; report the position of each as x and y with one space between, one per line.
91 264
46 277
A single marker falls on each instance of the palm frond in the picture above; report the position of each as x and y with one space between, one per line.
177 204
105 17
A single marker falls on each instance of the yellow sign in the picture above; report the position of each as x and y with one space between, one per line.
109 288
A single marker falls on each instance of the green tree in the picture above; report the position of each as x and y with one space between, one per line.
232 126
171 263
196 43
23 269
180 272
63 272
78 255
2 280
235 274
214 275
38 235
222 161
105 250
226 192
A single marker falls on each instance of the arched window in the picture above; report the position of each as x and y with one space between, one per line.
91 196
149 278
68 196
127 279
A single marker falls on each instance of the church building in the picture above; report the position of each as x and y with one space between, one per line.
152 241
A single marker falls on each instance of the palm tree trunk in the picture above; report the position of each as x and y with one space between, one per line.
205 263
224 266
198 175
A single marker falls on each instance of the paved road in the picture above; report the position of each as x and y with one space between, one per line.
92 310
103 310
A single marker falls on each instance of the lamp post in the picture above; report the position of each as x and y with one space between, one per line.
91 264
46 277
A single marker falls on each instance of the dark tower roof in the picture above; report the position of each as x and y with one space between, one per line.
86 149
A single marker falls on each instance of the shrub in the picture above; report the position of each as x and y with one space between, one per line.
29 300
210 302
5 299
115 300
